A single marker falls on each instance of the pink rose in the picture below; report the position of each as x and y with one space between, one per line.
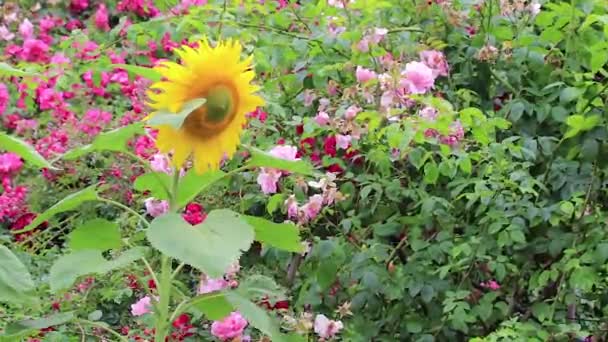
286 152
156 207
160 163
141 307
230 327
436 61
326 328
418 78
322 119
268 179
313 207
351 112
364 75
343 141
209 285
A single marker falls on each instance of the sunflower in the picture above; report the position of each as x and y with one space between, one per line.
212 131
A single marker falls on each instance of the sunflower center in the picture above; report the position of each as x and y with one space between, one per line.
219 104
219 110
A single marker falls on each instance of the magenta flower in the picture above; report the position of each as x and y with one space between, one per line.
34 50
102 18
326 328
490 285
230 327
4 98
418 78
364 75
10 164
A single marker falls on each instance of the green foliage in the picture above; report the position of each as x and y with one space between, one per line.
15 280
96 234
69 267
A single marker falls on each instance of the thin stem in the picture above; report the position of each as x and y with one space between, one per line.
104 327
177 270
220 26
122 206
178 310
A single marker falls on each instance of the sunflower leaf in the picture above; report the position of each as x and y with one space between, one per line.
24 150
144 72
175 120
211 246
260 158
8 70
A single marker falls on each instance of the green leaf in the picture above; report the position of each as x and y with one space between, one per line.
542 311
175 120
30 325
598 59
114 140
465 165
97 234
15 279
256 316
69 267
7 70
193 184
148 73
214 305
70 202
257 286
275 202
431 173
262 159
285 236
584 278
211 246
24 150
154 182
569 94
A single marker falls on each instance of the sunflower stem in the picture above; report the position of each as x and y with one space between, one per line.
166 272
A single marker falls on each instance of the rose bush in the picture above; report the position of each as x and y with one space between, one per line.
406 170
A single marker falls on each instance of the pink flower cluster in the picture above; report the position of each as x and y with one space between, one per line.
208 285
456 133
312 208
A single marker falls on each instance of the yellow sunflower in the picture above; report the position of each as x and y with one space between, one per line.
212 130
